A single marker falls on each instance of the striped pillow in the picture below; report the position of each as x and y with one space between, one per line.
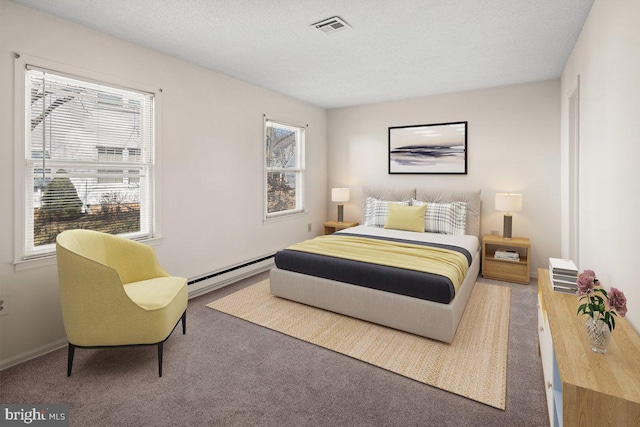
445 218
376 211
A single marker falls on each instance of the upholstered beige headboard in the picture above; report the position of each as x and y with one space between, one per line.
434 195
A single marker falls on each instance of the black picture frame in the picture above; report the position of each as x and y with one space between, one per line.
439 148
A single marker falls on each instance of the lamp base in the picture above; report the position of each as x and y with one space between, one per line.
340 213
506 227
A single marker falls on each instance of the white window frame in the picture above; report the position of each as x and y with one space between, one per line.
21 62
299 170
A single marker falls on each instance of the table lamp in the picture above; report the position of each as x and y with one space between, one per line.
340 195
508 202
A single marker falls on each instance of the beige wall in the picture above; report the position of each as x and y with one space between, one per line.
513 145
212 196
607 59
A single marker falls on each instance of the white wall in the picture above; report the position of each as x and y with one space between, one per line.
211 152
607 59
513 145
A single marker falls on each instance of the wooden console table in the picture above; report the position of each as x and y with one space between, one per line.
585 388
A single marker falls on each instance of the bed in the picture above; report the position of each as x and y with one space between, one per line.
388 296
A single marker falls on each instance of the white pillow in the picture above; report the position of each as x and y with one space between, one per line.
376 211
445 218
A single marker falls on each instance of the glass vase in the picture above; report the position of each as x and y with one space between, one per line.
598 334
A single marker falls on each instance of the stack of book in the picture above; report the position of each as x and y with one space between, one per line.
564 275
508 255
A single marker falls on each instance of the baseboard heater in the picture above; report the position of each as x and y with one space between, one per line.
217 279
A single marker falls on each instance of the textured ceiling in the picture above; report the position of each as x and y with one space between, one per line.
395 49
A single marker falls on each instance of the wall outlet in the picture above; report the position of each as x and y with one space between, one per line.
309 228
4 307
494 232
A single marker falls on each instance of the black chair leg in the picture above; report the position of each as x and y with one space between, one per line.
160 359
184 322
72 349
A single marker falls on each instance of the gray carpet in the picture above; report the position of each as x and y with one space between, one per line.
229 372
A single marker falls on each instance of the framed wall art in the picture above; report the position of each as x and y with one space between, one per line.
439 148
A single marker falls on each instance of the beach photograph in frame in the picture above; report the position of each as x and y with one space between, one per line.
439 148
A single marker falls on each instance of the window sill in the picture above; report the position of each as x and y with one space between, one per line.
28 264
50 259
277 218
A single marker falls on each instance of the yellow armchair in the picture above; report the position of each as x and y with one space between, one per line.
114 293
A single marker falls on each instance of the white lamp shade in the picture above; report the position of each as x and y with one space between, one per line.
508 202
340 194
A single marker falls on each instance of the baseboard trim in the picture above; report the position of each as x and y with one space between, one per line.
32 354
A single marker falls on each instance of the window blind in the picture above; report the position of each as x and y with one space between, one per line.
89 159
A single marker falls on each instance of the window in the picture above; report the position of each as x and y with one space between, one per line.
110 154
41 176
89 159
135 156
284 168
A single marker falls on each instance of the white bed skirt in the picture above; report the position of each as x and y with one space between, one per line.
417 316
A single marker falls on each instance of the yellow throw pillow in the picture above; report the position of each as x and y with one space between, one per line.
409 218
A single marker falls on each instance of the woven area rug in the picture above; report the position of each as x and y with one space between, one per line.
474 365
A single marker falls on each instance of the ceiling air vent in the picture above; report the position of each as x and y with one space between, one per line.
331 25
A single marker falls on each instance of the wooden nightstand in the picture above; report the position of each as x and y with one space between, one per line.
333 226
503 269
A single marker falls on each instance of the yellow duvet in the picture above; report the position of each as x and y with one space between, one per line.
427 259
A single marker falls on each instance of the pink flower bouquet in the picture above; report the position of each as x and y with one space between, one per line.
599 304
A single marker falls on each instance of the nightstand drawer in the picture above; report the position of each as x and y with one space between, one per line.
510 271
508 268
